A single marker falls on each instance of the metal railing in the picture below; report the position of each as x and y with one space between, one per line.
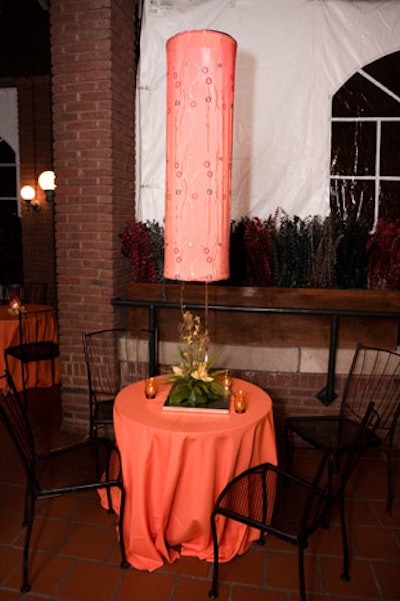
327 394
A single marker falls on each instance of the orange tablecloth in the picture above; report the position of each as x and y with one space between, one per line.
174 466
38 374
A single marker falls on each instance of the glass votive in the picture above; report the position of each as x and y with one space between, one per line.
240 401
150 388
14 296
226 381
15 304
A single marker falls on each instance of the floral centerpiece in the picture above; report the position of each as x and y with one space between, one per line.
192 382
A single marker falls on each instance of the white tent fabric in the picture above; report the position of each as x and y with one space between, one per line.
293 55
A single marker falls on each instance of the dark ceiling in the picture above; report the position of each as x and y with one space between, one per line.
24 38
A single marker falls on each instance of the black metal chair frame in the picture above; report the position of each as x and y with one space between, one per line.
263 496
102 394
29 351
39 465
343 427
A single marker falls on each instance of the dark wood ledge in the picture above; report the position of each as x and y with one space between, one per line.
272 316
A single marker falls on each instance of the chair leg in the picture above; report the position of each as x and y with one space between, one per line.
213 593
108 490
345 575
27 502
288 448
52 371
109 501
389 477
326 520
29 513
302 586
24 395
261 539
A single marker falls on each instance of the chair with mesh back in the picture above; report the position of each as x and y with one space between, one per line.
37 342
61 471
278 503
374 377
114 358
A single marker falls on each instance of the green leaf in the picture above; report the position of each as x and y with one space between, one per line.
179 393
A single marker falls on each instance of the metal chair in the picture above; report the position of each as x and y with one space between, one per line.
281 504
114 358
374 377
61 471
38 341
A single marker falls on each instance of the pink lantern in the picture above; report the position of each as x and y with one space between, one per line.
200 88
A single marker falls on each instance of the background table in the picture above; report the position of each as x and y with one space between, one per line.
38 374
174 466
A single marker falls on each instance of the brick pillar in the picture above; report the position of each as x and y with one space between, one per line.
93 71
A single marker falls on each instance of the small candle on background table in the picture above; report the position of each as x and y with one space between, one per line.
15 304
150 389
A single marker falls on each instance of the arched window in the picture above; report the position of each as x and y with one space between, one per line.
365 159
8 179
10 227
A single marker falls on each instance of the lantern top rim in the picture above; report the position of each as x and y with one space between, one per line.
201 33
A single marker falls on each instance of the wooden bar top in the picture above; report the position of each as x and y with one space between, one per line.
386 301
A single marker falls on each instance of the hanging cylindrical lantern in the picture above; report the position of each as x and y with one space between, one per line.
200 87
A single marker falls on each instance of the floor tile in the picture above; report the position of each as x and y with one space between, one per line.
10 560
282 571
89 542
46 571
89 581
10 526
361 582
375 543
245 568
141 585
47 535
195 590
388 576
240 593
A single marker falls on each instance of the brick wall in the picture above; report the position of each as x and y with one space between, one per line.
93 59
294 394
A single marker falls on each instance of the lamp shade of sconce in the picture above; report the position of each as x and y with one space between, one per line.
28 195
200 89
47 183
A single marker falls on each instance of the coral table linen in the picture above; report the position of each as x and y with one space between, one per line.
38 373
175 464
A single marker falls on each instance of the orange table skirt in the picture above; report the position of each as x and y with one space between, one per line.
38 374
174 466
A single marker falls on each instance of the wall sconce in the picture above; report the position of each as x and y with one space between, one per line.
28 194
46 181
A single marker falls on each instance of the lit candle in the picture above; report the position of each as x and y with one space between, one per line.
226 381
240 401
15 304
150 388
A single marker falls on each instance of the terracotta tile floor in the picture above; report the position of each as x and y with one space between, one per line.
76 556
